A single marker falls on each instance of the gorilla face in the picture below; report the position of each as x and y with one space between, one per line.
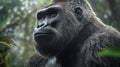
54 29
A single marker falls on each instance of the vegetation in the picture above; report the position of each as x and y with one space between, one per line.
5 43
110 52
17 19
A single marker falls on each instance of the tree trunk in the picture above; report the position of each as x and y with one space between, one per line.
115 8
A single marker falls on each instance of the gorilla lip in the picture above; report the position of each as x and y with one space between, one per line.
43 34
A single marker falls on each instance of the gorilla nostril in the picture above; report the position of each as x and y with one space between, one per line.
40 25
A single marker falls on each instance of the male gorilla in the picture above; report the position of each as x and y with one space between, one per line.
68 34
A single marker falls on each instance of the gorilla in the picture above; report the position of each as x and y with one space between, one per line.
69 34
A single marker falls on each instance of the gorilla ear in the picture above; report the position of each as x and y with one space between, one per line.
78 13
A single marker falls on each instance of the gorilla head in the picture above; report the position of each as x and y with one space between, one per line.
58 24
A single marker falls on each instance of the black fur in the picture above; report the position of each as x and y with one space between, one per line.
77 39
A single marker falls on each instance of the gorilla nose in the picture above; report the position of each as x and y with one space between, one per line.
49 16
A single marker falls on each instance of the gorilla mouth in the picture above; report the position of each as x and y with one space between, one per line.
43 34
43 38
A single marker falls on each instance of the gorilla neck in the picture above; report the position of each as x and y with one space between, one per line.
69 57
72 51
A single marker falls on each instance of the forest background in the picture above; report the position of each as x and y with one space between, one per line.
17 20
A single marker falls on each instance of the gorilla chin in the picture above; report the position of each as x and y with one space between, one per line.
45 40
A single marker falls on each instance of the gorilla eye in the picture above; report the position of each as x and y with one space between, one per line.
78 13
52 13
40 16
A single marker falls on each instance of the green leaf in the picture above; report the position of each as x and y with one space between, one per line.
110 52
4 49
6 39
4 46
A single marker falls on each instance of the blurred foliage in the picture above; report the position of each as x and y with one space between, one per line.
5 43
110 52
108 11
17 19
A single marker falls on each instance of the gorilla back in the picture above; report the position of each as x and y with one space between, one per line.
68 34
